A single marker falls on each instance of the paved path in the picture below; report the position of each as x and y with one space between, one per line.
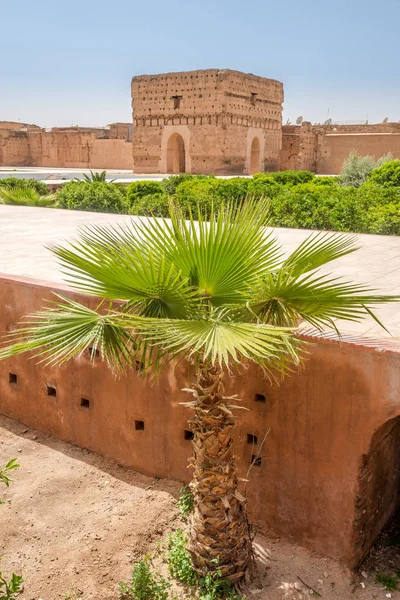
24 232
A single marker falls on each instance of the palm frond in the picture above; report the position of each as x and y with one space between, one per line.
23 195
318 249
65 329
317 299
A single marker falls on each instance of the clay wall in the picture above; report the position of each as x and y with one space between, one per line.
299 147
217 113
111 154
14 148
66 147
334 148
320 425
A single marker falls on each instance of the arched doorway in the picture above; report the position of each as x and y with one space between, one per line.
378 497
255 156
176 154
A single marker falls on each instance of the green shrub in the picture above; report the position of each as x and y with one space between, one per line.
171 183
263 187
11 182
234 189
138 189
388 175
97 196
383 220
291 177
179 560
310 206
356 169
144 585
185 501
195 193
326 180
155 205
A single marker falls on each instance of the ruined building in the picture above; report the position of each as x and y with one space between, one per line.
208 121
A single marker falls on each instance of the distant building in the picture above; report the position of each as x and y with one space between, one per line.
208 121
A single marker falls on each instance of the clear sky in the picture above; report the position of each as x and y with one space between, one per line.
67 62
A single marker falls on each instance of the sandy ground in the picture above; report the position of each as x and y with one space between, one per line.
74 522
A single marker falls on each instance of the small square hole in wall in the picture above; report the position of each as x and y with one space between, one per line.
51 391
251 439
188 435
139 425
256 460
85 402
12 378
259 398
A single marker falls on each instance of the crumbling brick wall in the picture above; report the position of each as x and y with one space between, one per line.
217 114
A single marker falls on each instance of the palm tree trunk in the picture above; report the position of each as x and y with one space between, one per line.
220 534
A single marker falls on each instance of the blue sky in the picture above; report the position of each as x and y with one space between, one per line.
69 62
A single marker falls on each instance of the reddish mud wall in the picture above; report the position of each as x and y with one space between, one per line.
319 425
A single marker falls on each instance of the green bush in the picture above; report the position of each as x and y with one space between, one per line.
179 560
171 183
11 182
97 196
388 175
326 180
138 189
155 205
357 169
263 187
309 206
195 193
144 585
290 177
383 220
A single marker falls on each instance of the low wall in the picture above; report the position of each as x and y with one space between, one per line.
336 147
68 149
319 424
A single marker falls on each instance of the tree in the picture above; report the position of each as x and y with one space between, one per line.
218 293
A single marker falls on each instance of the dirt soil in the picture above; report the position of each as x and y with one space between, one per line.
73 522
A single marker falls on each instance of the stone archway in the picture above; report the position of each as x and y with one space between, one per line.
378 497
255 156
176 162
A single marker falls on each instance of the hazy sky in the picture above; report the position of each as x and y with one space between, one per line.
69 62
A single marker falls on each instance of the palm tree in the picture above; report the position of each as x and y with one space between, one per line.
218 293
24 195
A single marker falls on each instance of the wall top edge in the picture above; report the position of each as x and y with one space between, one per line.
372 345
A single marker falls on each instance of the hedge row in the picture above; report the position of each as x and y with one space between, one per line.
297 198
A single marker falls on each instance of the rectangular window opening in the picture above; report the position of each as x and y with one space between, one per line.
256 460
51 391
85 402
188 435
12 378
259 398
139 425
177 101
251 439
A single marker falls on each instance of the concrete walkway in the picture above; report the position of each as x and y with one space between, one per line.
24 232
